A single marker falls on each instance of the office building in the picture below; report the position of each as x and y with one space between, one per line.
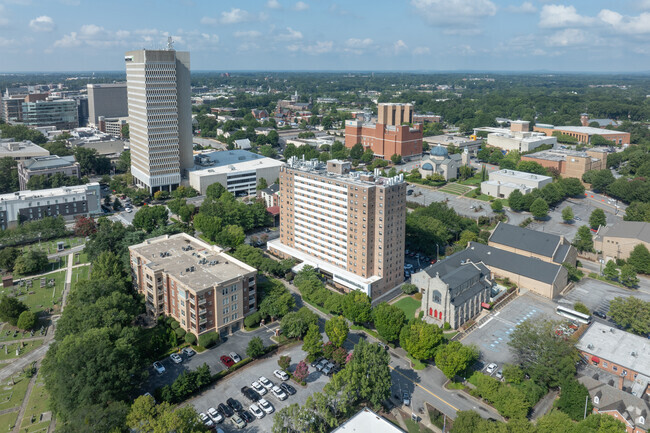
112 126
60 113
393 133
583 134
617 241
238 171
107 100
502 182
20 150
518 137
570 163
194 282
68 202
160 117
11 108
349 225
47 166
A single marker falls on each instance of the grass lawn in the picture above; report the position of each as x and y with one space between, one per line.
12 396
81 258
414 427
483 197
39 298
11 349
449 335
454 188
417 365
8 420
36 406
10 329
408 305
78 274
474 180
50 247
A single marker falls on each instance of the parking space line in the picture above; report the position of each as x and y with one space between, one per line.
420 386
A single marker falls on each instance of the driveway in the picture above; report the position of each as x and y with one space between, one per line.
597 295
462 205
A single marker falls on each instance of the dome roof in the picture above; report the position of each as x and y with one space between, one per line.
439 151
427 166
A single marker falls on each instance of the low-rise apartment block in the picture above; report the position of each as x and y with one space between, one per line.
570 163
350 225
503 182
47 166
194 282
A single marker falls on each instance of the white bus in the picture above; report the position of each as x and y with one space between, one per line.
573 315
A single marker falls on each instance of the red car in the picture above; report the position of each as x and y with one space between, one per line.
227 361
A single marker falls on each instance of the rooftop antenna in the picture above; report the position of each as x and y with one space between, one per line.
170 43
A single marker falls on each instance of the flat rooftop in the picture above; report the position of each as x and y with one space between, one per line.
314 166
171 254
231 160
557 154
446 140
366 421
12 148
619 347
589 130
49 162
519 175
45 193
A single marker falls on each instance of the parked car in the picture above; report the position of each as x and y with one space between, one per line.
406 398
265 382
491 368
259 388
288 388
246 416
323 362
206 420
316 362
160 369
189 352
227 361
280 374
577 218
234 405
225 410
176 358
239 423
409 192
250 394
278 393
265 405
599 314
128 210
327 370
235 357
255 410
499 374
215 415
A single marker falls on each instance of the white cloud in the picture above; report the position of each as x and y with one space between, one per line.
4 21
524 8
419 51
400 46
301 6
235 16
354 42
320 47
68 41
635 25
91 30
567 37
557 16
4 42
273 4
209 21
248 34
290 35
42 24
451 12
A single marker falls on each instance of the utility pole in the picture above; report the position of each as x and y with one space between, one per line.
586 402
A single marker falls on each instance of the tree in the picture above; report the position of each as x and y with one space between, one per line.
420 339
117 204
497 205
84 226
396 159
255 348
296 324
467 421
583 240
639 259
356 307
313 342
388 320
513 374
148 417
277 302
231 236
337 330
567 214
409 288
539 208
572 399
125 131
8 175
453 358
531 167
215 191
356 151
611 270
31 262
301 372
149 218
632 313
10 309
368 156
27 320
516 201
581 308
284 362
108 266
599 179
597 219
261 184
8 256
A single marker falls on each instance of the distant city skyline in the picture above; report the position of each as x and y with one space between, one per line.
319 35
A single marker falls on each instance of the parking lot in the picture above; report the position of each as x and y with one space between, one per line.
462 205
597 295
231 386
492 336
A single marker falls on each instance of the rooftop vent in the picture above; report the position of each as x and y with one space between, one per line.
590 346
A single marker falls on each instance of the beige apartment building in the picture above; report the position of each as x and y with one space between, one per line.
196 283
618 240
349 225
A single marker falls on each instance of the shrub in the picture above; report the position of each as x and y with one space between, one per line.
255 348
581 308
446 326
409 288
174 324
208 339
418 296
180 332
190 338
253 320
27 320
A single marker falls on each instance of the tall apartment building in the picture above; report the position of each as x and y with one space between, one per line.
196 283
350 225
392 134
108 100
60 113
11 108
160 117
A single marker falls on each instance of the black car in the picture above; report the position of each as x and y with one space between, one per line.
599 314
225 410
288 388
234 405
315 363
250 394
246 416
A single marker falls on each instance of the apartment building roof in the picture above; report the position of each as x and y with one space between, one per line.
200 266
353 177
619 347
45 193
609 398
520 175
209 164
544 244
627 229
49 162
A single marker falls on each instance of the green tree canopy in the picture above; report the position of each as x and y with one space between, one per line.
337 330
584 240
453 358
597 219
356 307
27 320
11 309
567 214
388 320
149 218
313 341
296 324
539 208
420 339
632 313
31 262
255 348
146 416
639 259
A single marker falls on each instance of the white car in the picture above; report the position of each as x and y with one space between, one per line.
215 415
265 405
259 388
265 382
491 368
176 358
160 369
280 374
128 210
255 410
206 420
278 393
235 357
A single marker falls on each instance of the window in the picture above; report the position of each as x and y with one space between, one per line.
225 301
615 368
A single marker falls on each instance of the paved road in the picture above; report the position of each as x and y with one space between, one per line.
642 289
72 250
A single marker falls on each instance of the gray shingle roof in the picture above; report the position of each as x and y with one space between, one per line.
611 398
561 253
49 162
532 241
627 229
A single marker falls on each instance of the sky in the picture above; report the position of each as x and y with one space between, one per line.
360 35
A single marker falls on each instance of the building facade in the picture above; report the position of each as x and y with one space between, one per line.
503 182
47 166
583 134
196 283
570 163
160 117
68 202
392 134
350 225
107 100
11 108
618 240
440 162
60 113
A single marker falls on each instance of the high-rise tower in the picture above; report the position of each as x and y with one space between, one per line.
160 117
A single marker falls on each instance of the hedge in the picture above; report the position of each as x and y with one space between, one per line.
190 338
180 332
253 320
208 339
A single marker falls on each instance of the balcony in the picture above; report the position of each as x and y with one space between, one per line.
191 301
202 311
203 321
202 301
